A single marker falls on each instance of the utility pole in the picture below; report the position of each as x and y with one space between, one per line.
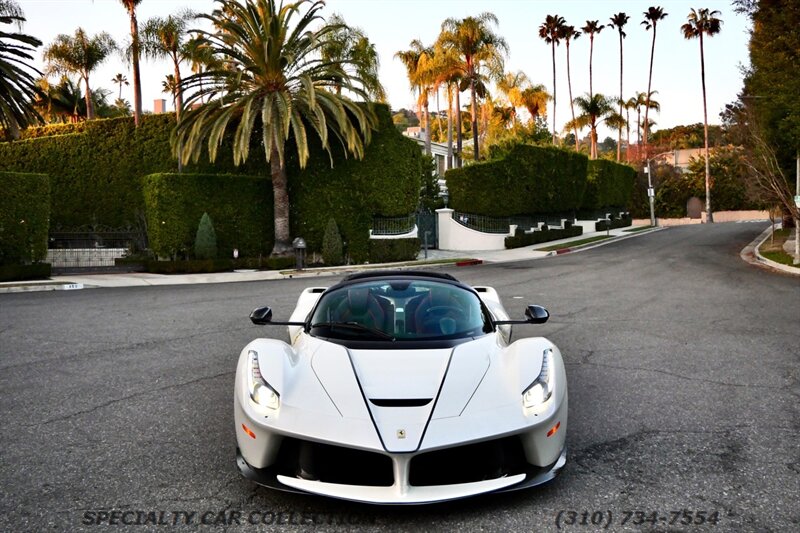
651 195
797 210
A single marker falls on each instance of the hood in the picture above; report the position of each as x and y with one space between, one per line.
403 389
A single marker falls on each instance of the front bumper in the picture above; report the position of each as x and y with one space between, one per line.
400 492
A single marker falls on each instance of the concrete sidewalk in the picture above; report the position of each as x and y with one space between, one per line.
136 279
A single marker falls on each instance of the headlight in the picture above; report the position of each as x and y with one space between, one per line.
260 392
542 387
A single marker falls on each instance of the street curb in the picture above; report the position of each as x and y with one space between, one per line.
616 238
751 254
39 287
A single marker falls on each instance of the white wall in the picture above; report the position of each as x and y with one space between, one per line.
454 236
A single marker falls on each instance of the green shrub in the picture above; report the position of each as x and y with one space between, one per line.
332 245
240 205
622 222
393 250
608 184
205 242
521 238
13 272
529 180
24 217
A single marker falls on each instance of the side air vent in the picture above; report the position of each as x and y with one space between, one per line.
480 289
317 290
408 402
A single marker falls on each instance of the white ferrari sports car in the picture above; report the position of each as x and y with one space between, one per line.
400 387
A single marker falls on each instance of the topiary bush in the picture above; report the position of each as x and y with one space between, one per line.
24 217
332 245
205 242
521 238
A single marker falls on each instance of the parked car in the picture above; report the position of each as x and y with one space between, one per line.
400 387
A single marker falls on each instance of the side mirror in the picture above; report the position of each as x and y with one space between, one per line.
261 316
536 314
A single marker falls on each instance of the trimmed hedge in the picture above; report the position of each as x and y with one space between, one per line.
241 207
100 164
521 238
205 266
608 184
603 225
393 250
14 272
385 183
529 180
24 217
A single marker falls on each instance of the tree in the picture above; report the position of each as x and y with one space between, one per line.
569 33
170 86
644 101
595 110
522 93
551 30
17 82
418 61
352 45
130 6
477 46
79 55
651 18
592 27
699 23
332 244
276 78
205 240
164 38
120 80
618 21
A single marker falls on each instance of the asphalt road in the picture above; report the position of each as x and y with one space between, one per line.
684 381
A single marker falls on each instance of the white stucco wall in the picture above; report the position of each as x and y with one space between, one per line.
454 236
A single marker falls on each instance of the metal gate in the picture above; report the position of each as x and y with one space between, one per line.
428 228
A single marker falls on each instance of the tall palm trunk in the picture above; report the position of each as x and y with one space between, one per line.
280 193
449 126
459 135
178 91
628 134
649 83
619 132
427 116
553 46
88 98
571 104
592 140
473 95
709 215
137 82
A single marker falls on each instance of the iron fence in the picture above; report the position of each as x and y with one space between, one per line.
489 224
131 240
393 225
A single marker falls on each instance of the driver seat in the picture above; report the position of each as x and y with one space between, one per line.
365 308
417 309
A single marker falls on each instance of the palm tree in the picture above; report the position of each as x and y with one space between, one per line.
166 38
352 44
702 22
595 109
170 86
618 21
17 82
522 93
447 72
130 6
651 18
478 47
551 30
568 34
592 27
275 77
80 55
418 62
120 80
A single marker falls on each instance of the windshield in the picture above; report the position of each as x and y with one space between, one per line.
398 310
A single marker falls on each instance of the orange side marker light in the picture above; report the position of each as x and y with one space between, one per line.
253 435
553 429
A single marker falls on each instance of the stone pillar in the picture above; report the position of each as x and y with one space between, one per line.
444 219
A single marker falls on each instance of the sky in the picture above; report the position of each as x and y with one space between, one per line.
393 24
